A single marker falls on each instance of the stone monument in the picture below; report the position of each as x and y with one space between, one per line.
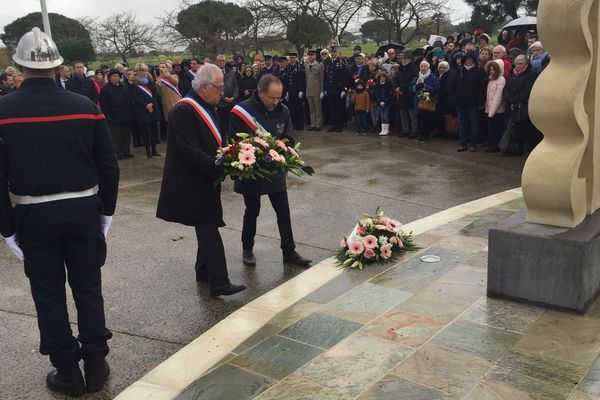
550 254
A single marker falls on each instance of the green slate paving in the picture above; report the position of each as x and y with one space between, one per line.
365 303
321 330
225 383
276 357
591 382
296 388
336 287
479 340
392 387
415 274
504 314
263 333
552 379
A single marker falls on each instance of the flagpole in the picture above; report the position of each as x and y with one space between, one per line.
45 18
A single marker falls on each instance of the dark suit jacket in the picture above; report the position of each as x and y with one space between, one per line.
83 86
188 194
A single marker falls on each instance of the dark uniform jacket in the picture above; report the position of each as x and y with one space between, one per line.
53 141
295 79
278 123
188 194
117 103
82 85
336 76
185 81
140 100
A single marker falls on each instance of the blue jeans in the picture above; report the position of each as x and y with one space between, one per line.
362 117
384 114
468 118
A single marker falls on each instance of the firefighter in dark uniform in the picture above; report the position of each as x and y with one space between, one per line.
295 77
269 67
266 110
57 159
336 78
283 62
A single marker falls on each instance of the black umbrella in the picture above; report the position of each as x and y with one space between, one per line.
383 49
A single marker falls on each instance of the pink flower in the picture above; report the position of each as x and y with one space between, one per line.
356 248
260 141
247 158
382 228
281 145
293 152
396 222
361 230
246 147
394 240
369 253
386 251
343 243
275 155
370 242
385 221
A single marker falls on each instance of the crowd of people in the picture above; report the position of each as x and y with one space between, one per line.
460 87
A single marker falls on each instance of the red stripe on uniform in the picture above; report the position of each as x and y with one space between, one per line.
68 117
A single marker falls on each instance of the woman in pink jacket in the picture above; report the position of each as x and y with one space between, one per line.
494 105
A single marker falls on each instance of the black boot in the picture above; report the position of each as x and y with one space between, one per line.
67 381
155 153
296 259
248 258
148 152
97 372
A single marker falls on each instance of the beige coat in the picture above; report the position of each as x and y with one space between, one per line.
167 95
315 78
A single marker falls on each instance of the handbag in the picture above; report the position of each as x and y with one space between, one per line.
427 105
509 143
450 124
521 112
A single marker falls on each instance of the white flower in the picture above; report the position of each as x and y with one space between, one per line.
383 240
398 230
366 222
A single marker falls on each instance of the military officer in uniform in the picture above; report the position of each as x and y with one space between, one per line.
315 73
266 110
269 67
336 77
58 161
296 87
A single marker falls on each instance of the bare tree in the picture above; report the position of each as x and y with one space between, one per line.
339 14
124 35
403 16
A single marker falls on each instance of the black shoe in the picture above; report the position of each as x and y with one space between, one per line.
317 129
312 128
332 129
338 130
129 155
404 134
148 152
461 149
492 149
96 375
412 136
296 259
226 290
71 384
248 258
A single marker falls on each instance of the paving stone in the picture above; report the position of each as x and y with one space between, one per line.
404 328
503 314
392 387
296 388
321 330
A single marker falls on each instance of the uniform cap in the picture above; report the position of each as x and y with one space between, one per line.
36 50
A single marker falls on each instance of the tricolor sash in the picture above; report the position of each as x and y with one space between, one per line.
206 117
146 91
170 86
250 120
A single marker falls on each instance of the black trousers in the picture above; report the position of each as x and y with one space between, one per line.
54 253
224 112
337 109
280 204
210 259
296 106
149 133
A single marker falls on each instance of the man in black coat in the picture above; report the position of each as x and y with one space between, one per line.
57 160
266 109
336 78
188 194
117 105
296 88
81 84
406 73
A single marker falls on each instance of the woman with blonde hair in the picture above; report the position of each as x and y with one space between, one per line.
372 71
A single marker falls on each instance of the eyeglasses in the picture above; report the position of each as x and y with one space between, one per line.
271 98
219 88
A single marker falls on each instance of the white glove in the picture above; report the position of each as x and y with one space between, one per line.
382 104
287 97
300 94
105 222
13 244
342 94
322 95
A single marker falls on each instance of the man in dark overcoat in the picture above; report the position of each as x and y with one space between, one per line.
188 194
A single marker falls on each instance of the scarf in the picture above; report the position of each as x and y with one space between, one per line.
469 67
519 70
422 76
143 80
536 62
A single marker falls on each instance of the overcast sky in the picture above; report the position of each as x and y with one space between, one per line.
146 12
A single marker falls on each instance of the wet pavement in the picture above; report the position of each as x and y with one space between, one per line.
153 304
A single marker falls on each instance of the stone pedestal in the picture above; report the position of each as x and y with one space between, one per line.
545 265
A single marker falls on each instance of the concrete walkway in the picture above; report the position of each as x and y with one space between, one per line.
153 304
